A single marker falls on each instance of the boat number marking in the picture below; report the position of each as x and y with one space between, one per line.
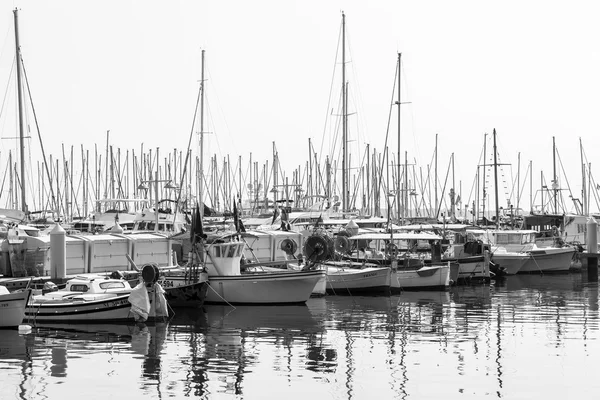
115 303
167 284
369 274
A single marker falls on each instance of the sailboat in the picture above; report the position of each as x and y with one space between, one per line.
523 241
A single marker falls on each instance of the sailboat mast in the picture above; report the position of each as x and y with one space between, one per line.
344 121
398 103
201 177
554 181
496 181
20 105
583 183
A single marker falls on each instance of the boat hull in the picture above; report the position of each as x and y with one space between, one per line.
549 260
352 281
511 263
12 308
473 268
428 277
115 308
183 294
263 288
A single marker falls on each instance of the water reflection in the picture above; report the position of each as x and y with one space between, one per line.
528 336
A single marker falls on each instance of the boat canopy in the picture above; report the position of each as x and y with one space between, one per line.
397 236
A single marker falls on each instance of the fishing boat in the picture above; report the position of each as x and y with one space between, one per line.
227 284
12 307
354 278
95 299
510 262
426 277
539 259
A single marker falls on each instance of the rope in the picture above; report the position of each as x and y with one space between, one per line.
217 293
536 263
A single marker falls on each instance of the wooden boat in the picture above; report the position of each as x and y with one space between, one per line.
348 277
88 299
427 277
12 307
228 285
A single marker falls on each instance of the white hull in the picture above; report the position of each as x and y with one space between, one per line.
12 308
320 288
430 277
473 268
549 260
115 308
342 280
263 288
511 262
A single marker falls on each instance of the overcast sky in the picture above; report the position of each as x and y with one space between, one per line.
529 69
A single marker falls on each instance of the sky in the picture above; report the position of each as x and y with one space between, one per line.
528 69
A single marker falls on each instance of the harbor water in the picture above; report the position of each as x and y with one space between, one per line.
525 337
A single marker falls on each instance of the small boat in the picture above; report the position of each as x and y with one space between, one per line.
12 307
427 277
348 277
227 285
96 299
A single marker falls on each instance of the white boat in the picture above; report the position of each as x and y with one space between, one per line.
427 277
549 259
12 307
546 259
114 211
320 288
229 286
509 262
88 299
160 218
348 277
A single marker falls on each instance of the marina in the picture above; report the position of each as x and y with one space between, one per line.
149 251
526 337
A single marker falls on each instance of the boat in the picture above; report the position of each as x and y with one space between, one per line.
227 284
539 259
355 278
114 211
510 262
88 299
427 277
12 307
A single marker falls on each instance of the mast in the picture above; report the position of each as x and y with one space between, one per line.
398 103
20 106
496 181
518 181
554 181
483 179
435 191
344 121
200 188
583 183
